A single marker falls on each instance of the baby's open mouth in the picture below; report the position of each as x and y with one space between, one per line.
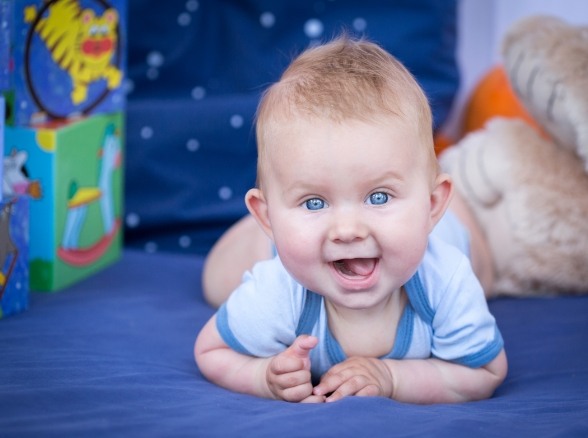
355 267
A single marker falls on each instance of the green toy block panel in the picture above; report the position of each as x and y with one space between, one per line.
74 176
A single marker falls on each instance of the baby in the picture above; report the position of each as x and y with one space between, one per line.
377 288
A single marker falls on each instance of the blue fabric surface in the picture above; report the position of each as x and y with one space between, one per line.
112 356
196 70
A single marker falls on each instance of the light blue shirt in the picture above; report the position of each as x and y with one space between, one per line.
446 315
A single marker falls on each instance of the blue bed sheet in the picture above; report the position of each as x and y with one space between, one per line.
112 356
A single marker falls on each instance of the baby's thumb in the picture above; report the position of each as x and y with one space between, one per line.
301 348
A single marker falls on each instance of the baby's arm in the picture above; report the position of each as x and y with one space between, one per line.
285 376
413 381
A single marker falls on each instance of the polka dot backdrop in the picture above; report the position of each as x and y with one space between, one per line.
196 69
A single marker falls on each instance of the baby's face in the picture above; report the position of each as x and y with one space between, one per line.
349 206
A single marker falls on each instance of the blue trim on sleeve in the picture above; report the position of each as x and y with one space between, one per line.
310 313
334 350
484 356
401 343
418 298
403 334
222 325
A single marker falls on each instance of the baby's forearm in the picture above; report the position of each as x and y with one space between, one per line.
227 368
236 372
437 381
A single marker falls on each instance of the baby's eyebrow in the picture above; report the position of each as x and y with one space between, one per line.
303 186
387 176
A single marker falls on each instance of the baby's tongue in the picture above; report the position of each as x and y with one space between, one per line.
356 266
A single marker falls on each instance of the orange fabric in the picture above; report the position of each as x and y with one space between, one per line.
493 96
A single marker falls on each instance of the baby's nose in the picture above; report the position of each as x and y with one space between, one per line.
347 227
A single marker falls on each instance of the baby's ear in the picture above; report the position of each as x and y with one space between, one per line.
257 206
440 197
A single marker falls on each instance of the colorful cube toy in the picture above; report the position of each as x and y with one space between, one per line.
74 178
14 238
62 66
14 245
67 58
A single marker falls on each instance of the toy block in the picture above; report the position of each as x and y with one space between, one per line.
14 261
73 175
67 58
2 119
14 238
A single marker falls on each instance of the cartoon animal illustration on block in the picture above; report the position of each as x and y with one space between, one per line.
81 43
81 197
8 250
15 180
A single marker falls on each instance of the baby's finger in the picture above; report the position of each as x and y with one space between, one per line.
331 381
369 391
298 393
355 385
314 399
293 379
283 364
300 350
302 346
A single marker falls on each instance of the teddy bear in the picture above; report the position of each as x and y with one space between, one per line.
528 188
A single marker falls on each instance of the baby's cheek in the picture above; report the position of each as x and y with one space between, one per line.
294 253
406 249
298 258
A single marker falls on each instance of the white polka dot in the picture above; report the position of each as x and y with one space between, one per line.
117 98
198 93
192 5
128 85
146 132
151 247
152 73
154 59
225 193
185 241
193 145
359 24
236 121
267 19
132 220
184 19
313 28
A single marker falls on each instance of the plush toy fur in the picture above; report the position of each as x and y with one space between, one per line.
528 192
547 63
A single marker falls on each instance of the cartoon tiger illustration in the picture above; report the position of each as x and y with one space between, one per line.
80 42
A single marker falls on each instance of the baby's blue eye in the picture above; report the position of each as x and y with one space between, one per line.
314 204
378 198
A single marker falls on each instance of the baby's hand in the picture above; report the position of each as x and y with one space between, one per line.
362 376
288 373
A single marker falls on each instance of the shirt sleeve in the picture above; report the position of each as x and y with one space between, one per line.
260 317
464 330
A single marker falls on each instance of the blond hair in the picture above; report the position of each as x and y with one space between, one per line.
341 80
